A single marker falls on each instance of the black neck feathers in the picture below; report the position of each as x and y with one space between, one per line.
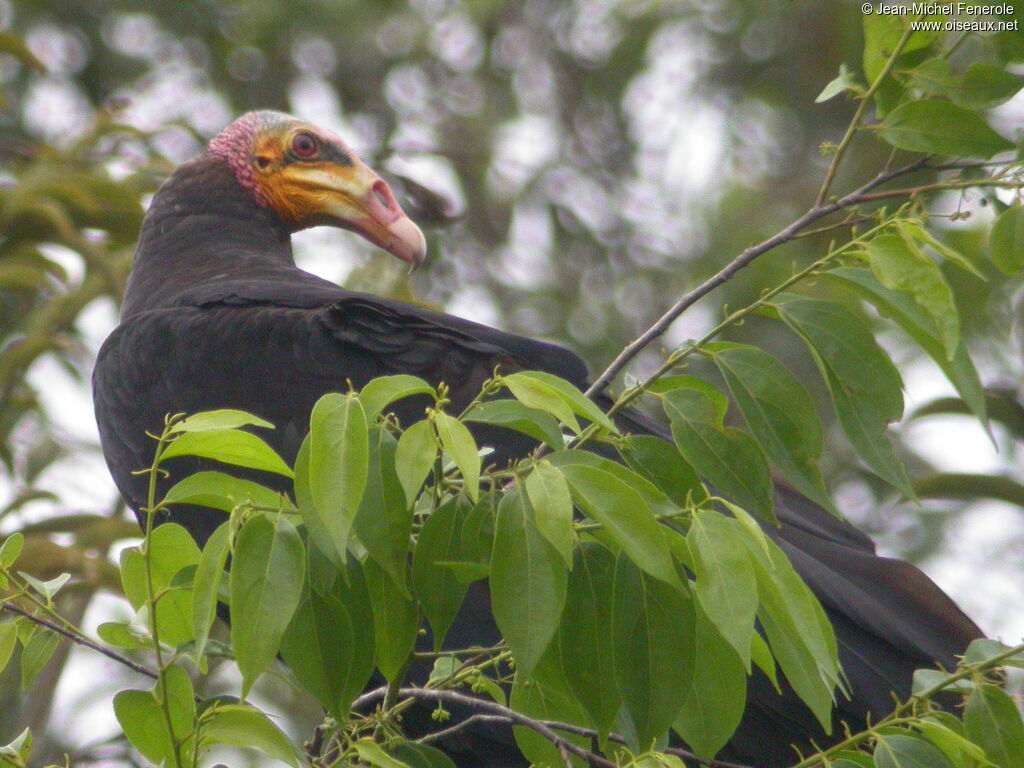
202 225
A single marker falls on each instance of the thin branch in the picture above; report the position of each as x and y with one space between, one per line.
784 235
565 748
80 640
854 125
502 714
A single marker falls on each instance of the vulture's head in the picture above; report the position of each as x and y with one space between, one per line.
310 177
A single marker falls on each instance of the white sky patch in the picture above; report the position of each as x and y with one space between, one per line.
522 148
433 172
474 304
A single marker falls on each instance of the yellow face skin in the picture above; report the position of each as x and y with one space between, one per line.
310 178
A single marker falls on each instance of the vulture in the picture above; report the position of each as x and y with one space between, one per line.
217 315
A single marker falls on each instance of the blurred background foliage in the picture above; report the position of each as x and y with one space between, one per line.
577 165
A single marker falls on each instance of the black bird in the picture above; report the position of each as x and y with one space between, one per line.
217 315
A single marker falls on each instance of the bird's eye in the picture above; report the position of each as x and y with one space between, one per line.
305 146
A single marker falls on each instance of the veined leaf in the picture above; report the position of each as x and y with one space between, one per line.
329 643
206 587
216 421
243 726
906 751
437 588
460 445
231 446
940 128
528 583
384 520
864 384
725 585
901 267
395 619
1006 243
552 505
716 699
992 720
727 458
266 585
919 326
544 388
145 724
218 490
626 517
654 647
662 464
415 455
778 411
338 464
384 390
513 414
585 635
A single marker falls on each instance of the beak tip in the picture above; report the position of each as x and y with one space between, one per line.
409 243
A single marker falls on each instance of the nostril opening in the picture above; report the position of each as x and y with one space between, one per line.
380 190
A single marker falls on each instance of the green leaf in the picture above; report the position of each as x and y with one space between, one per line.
660 462
961 485
206 587
121 635
231 446
984 86
864 384
8 639
513 414
545 696
421 756
36 654
460 445
21 746
762 656
800 635
544 391
778 411
171 548
338 463
585 639
438 590
1006 241
11 549
653 654
844 81
919 326
937 127
372 753
266 585
925 679
384 520
882 32
240 725
983 650
145 723
395 620
217 421
626 517
383 391
905 751
417 450
224 492
329 644
952 743
901 266
552 504
716 699
992 720
48 589
528 583
727 458
725 585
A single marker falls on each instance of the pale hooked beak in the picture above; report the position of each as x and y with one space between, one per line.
367 206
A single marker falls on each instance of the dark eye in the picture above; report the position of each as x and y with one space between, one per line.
305 146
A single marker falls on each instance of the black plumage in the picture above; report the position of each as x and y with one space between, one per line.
217 315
